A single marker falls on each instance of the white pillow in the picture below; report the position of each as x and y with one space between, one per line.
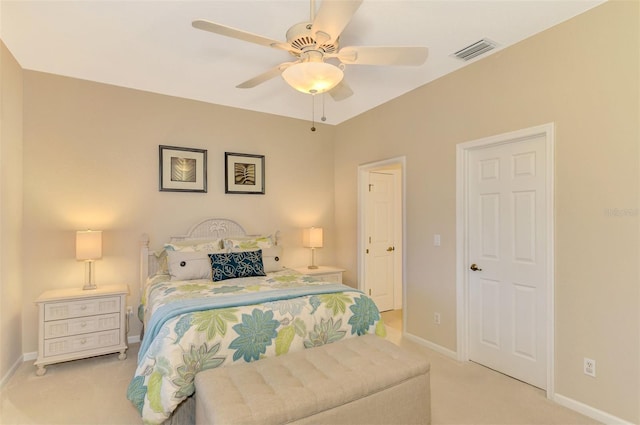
189 265
187 245
271 259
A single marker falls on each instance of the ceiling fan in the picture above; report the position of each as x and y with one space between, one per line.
312 43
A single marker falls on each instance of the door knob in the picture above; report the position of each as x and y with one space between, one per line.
475 268
391 248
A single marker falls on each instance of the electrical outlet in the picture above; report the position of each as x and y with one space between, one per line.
436 318
589 367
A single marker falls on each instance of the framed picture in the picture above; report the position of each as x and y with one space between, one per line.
243 173
183 169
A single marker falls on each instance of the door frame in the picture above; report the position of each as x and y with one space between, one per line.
398 163
462 237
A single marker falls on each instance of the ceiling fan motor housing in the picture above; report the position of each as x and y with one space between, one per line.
300 37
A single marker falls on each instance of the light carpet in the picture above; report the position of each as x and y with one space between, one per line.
92 391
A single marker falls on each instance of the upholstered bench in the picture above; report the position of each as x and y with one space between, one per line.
360 380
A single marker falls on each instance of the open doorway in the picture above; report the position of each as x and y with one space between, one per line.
381 236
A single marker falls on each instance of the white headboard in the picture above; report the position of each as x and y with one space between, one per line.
211 228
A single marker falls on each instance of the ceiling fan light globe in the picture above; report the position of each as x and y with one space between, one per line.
313 77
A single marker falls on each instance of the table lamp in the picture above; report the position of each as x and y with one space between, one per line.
89 249
312 238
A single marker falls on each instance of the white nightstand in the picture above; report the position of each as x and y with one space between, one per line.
325 273
76 324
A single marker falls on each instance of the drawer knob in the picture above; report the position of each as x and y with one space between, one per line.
83 324
83 341
83 307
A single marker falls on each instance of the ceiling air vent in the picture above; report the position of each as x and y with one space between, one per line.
476 49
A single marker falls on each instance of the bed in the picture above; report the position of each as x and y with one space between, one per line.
217 296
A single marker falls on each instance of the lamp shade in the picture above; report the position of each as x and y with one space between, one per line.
88 245
313 77
312 237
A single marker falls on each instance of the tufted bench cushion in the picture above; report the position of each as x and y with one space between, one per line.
360 380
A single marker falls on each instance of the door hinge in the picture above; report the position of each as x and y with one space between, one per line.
370 187
369 292
367 250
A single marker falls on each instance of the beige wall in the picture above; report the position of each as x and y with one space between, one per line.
91 161
583 75
10 211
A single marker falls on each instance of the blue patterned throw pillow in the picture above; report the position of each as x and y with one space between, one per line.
230 265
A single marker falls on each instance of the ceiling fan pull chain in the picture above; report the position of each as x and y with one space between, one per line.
313 113
323 118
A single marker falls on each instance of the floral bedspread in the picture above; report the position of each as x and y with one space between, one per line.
202 339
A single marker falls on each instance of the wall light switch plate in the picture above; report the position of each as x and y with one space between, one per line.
436 240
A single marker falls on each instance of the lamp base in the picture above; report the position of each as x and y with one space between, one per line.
89 278
313 259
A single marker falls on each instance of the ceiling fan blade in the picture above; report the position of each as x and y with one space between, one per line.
408 56
341 91
205 25
265 76
332 17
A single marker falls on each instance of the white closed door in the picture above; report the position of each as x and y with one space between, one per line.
380 241
507 268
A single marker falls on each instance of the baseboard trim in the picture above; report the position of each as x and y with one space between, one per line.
431 345
133 339
26 357
589 411
11 371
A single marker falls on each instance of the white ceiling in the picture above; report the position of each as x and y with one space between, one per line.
150 44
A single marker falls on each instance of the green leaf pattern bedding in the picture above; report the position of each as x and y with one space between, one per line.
209 338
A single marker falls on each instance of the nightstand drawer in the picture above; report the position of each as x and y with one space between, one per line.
82 325
331 277
73 344
323 273
89 307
